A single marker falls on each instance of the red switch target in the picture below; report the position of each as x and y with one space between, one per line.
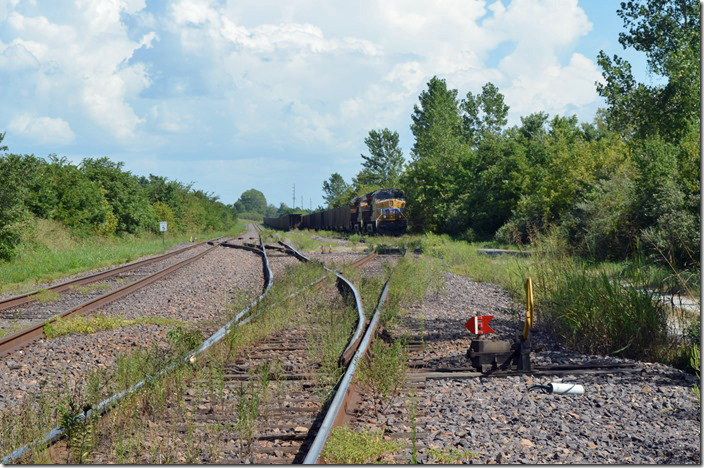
479 325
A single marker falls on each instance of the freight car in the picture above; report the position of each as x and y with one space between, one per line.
381 211
285 222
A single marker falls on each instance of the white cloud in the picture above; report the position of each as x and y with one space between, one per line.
42 130
81 60
305 78
16 57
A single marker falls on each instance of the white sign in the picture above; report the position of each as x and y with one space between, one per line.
162 226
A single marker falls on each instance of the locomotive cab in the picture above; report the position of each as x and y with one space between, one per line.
381 211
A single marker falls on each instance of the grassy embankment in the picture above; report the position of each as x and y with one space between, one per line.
54 252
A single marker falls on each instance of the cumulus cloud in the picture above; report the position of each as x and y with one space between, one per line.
303 78
43 130
82 59
16 57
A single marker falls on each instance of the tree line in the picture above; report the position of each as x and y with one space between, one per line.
97 197
628 181
252 204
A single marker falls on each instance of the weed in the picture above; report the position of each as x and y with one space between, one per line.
332 324
78 428
413 414
183 340
90 288
422 332
450 456
346 446
695 358
247 414
13 328
383 372
46 295
91 324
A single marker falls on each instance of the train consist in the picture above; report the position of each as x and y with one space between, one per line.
381 211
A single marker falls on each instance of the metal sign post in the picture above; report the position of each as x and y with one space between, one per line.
163 227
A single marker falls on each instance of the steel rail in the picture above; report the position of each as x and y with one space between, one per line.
337 405
105 405
32 333
24 298
361 319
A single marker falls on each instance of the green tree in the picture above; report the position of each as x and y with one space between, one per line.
436 175
251 201
170 193
81 202
484 114
335 190
12 210
127 198
384 164
668 32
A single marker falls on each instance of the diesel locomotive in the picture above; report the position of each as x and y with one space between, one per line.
381 211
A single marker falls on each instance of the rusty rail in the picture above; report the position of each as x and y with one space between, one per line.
337 408
30 334
24 298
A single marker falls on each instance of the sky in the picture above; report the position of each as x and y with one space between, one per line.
233 95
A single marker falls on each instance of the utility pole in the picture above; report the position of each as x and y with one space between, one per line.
294 196
310 204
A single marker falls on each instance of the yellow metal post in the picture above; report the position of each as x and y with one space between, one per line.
528 325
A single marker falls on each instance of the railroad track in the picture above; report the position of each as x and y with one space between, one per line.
291 387
20 299
24 308
304 408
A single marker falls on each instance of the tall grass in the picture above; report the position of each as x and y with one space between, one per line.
57 253
609 309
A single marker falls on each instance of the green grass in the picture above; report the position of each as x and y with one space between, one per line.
302 240
346 446
58 254
600 308
90 288
46 295
450 456
91 324
14 328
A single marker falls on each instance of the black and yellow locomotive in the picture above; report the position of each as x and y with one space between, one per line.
381 211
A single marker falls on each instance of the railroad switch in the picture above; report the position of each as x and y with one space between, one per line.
487 356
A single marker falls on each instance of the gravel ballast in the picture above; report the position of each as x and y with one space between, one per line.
198 294
621 418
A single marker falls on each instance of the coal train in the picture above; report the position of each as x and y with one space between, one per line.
381 211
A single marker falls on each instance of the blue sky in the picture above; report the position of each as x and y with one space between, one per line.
233 95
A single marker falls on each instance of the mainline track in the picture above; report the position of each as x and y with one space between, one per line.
20 299
35 332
